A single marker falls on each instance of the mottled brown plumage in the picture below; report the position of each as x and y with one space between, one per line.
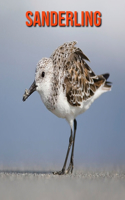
79 82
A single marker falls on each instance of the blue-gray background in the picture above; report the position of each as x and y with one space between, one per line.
31 136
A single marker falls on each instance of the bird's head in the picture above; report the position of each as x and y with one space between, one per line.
43 78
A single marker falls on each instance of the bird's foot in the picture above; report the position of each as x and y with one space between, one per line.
62 172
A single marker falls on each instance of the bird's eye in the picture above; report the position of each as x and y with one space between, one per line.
43 74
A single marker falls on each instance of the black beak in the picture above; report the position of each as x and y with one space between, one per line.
30 91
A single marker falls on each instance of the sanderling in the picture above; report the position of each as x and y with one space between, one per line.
67 86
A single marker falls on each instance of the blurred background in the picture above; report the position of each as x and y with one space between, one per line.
30 136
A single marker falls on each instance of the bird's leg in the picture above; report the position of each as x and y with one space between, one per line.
71 164
64 166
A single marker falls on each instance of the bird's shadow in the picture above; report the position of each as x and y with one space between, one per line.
26 172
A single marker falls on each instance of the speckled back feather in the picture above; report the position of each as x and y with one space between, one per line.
70 69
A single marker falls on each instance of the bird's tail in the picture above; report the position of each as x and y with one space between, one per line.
107 86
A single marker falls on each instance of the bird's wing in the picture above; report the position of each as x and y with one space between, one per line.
80 82
60 55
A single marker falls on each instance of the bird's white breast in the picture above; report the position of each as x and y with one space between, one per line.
64 110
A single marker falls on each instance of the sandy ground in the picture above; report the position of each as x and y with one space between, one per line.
82 184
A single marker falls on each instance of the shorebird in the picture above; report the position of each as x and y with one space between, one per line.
67 87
